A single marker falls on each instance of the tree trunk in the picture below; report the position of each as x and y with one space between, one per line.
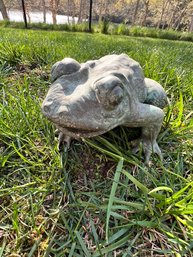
68 11
72 10
135 12
146 3
44 10
3 10
106 9
27 9
164 6
179 20
101 9
53 10
80 11
191 24
173 14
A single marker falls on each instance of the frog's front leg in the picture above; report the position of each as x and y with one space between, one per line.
149 118
62 140
149 144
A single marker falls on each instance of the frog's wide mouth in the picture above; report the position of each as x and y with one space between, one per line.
81 132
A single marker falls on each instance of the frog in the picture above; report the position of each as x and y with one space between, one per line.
88 99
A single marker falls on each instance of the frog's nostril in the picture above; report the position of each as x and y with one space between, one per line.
46 106
62 111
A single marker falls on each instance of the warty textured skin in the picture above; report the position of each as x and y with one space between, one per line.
89 99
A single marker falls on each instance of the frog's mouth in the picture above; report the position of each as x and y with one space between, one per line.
80 132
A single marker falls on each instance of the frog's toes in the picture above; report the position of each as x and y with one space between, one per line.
147 147
63 141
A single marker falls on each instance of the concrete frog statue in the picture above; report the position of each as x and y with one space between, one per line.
89 99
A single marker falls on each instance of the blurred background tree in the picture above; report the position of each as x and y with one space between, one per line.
164 14
3 10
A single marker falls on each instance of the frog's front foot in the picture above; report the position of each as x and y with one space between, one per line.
63 141
148 147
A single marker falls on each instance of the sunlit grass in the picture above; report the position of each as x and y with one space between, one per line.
106 27
98 199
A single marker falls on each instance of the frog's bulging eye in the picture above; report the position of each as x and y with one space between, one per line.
109 92
116 96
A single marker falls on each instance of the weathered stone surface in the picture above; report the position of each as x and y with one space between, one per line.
89 99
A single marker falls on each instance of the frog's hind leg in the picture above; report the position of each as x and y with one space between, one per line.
155 94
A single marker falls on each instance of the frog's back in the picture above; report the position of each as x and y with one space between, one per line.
129 68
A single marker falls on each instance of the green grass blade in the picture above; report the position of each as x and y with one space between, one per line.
71 253
118 235
83 246
2 248
111 247
161 188
143 188
112 194
134 205
178 194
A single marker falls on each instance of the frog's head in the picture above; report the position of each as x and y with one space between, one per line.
88 99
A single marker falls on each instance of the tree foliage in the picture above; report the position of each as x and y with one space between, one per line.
175 14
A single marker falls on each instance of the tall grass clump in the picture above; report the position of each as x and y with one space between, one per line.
106 27
97 199
81 27
123 29
11 55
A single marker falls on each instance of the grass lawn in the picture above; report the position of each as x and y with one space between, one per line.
97 199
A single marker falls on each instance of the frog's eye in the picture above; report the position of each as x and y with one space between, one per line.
109 92
116 95
65 67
